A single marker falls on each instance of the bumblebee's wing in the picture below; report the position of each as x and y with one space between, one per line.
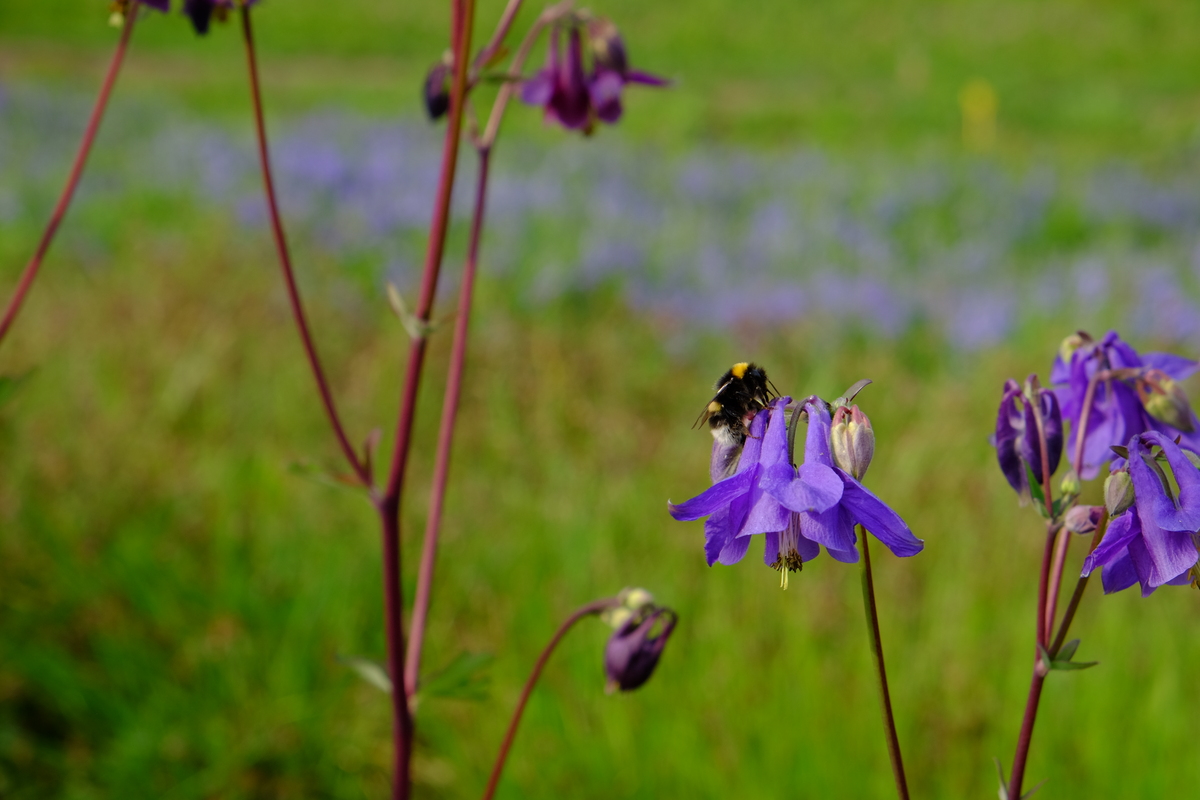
708 409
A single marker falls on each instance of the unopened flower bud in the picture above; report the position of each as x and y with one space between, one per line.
633 650
1070 485
1083 519
852 441
1164 399
633 603
436 92
1118 492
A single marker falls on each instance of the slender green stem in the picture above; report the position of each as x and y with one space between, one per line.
889 722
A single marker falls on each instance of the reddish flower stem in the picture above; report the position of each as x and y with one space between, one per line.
388 505
889 721
1077 595
64 200
285 261
502 756
1056 571
441 470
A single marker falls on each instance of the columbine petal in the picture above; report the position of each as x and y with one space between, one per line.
830 529
881 521
605 89
1183 514
645 78
1119 574
711 499
818 488
1122 529
1007 420
1177 367
538 90
816 443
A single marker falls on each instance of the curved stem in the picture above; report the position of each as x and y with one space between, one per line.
81 156
889 722
497 41
285 260
1056 571
441 470
506 745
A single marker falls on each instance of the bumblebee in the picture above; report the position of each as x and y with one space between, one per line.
741 393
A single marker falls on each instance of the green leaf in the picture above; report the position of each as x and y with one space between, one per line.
370 671
1067 651
1066 664
464 678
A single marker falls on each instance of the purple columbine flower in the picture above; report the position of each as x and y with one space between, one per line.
1141 396
634 649
575 98
1017 441
1154 542
797 509
739 506
833 527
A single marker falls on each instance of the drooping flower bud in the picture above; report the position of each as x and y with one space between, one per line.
436 90
1164 399
852 441
1029 446
1118 492
634 649
1083 519
1070 485
633 603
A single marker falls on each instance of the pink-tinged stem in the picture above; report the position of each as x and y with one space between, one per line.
1077 595
1056 571
285 260
441 470
497 41
64 200
463 20
1025 738
889 721
506 745
389 504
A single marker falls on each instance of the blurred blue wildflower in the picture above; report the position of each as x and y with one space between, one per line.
202 12
575 98
1139 394
1016 439
1153 543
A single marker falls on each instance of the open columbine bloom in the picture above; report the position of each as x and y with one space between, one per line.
739 506
797 509
1142 395
1154 542
1017 441
575 98
834 527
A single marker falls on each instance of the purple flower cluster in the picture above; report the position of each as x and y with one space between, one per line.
798 509
1133 393
1017 439
1154 542
571 95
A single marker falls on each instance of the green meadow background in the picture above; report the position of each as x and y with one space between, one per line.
177 583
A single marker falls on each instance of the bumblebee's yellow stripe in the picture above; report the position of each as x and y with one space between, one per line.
739 370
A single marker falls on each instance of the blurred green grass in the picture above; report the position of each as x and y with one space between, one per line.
173 595
1074 79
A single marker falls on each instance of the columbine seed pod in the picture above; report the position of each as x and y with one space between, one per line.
852 441
1118 492
1164 399
634 649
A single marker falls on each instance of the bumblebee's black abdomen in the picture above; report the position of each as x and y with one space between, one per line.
741 393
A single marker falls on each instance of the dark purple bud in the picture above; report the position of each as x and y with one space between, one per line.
1029 446
200 12
1010 423
436 92
633 650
